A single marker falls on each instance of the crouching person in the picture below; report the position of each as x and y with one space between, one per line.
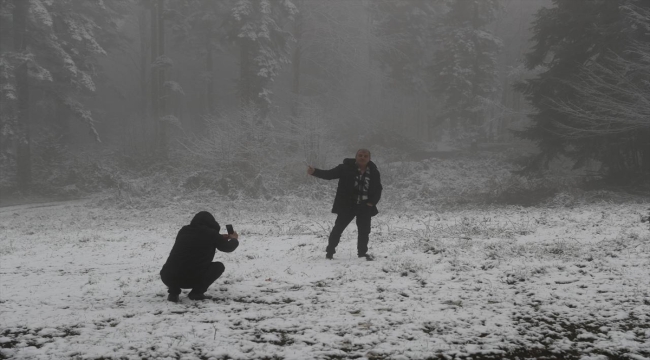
189 265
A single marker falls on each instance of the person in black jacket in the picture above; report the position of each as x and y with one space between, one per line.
189 265
358 192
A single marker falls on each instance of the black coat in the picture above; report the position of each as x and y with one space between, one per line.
345 192
195 247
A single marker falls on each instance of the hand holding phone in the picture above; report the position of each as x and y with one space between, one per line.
231 232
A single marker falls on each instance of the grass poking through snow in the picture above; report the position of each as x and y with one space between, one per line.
80 281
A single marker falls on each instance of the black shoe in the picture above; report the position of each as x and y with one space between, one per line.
172 298
368 257
198 296
329 256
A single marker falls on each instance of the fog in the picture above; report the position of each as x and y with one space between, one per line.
98 95
494 154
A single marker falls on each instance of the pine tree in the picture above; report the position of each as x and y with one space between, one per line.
196 26
464 69
66 40
581 44
14 71
257 28
317 62
52 65
405 29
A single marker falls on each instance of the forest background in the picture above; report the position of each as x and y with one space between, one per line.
147 99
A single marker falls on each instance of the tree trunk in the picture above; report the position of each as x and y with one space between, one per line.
154 70
162 125
244 75
475 116
61 122
23 158
645 156
209 68
142 23
295 86
297 56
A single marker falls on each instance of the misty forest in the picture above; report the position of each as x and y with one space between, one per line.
512 137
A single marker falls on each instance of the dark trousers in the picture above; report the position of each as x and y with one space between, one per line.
198 286
362 213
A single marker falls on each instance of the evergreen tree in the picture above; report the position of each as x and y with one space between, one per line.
66 39
581 44
197 26
160 64
325 53
406 30
50 67
14 105
464 68
257 28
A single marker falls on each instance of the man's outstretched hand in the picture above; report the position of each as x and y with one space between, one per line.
310 170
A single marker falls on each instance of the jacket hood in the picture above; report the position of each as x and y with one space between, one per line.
353 161
204 218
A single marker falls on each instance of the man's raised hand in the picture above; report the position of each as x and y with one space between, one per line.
310 170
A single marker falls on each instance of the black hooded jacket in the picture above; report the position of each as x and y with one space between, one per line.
345 198
195 247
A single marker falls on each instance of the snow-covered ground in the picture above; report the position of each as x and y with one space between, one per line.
80 280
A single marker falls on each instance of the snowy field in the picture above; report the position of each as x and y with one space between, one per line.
79 280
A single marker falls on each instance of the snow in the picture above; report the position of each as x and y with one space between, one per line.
40 13
80 280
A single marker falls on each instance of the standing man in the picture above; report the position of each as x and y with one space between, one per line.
357 195
189 265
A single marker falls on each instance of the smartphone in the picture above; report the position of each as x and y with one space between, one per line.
230 229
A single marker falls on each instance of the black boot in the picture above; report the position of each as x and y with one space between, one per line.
172 298
368 257
194 296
